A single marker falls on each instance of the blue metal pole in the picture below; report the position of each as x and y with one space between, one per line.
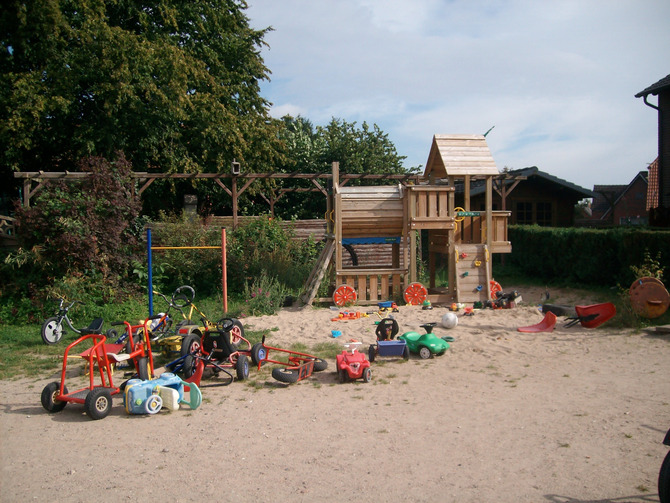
149 276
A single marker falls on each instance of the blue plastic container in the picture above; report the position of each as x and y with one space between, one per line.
391 348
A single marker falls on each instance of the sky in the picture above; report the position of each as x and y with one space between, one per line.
556 79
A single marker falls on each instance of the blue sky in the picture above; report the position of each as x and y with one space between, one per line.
556 78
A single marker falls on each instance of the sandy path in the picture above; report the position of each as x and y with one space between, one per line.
575 415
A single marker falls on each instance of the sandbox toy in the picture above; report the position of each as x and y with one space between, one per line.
352 364
295 366
386 331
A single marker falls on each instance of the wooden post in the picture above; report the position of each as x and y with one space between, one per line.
224 271
234 191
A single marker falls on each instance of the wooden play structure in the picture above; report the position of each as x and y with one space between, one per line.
460 237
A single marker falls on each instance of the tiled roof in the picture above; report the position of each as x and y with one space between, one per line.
654 89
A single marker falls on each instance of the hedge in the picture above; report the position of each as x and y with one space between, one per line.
586 256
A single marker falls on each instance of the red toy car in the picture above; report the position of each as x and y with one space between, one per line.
352 364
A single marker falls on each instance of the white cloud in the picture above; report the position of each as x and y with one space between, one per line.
557 79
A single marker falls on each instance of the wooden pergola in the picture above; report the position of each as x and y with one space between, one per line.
33 181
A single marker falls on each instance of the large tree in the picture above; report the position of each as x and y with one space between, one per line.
358 149
173 84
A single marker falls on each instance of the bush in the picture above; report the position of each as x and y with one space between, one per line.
585 256
77 239
199 268
264 246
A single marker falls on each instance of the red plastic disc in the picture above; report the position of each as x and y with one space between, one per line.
343 295
495 287
415 294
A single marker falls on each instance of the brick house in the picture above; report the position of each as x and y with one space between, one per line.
622 204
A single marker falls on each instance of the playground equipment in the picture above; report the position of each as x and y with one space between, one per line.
96 397
386 331
648 297
352 364
393 217
149 397
296 366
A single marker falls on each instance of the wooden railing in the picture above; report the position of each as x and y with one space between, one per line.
472 230
429 207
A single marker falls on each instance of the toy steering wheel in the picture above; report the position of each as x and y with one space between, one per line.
387 329
353 345
225 325
183 296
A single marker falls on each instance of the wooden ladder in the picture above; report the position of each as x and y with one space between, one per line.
318 272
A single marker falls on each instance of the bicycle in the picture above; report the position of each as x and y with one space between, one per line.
52 328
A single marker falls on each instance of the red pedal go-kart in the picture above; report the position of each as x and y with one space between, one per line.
296 367
352 364
216 350
97 398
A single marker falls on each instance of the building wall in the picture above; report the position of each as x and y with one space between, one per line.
631 208
534 202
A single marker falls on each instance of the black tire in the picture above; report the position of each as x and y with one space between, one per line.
286 375
236 333
242 368
342 375
320 365
190 344
52 331
49 401
425 353
664 480
143 368
367 374
112 334
188 368
405 353
98 403
372 353
258 353
132 341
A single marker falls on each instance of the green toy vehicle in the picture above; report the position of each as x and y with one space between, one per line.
425 345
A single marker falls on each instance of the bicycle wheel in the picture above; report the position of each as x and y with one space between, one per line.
52 330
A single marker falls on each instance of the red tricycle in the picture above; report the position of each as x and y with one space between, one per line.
352 364
297 366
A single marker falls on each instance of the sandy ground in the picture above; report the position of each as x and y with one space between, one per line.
575 415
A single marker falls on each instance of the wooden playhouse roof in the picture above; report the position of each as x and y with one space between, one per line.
459 155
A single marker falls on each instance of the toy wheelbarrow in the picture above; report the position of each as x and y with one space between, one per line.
592 316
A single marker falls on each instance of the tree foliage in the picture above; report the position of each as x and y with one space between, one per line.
85 230
172 84
309 149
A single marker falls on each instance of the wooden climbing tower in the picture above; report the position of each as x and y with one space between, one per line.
458 236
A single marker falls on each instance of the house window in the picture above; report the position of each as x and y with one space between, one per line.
529 213
524 213
543 214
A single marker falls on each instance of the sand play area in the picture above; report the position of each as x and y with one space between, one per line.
575 415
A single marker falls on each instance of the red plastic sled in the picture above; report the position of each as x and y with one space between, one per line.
594 315
546 325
